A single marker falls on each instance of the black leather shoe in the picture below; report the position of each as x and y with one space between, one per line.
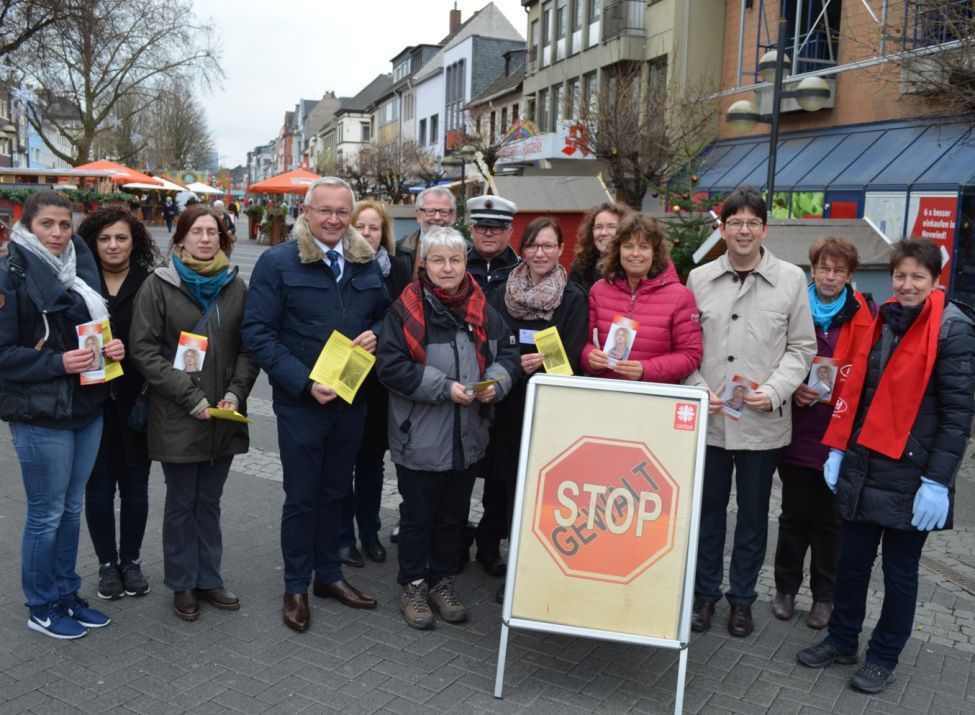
491 561
219 597
295 612
351 557
823 654
783 606
872 678
740 623
374 551
345 593
819 615
701 617
186 605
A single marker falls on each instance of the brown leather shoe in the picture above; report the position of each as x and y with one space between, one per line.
345 593
784 605
819 615
219 597
701 617
186 605
295 612
740 622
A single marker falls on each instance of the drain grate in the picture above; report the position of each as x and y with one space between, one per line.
949 573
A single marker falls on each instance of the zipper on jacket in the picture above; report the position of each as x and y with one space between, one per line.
629 312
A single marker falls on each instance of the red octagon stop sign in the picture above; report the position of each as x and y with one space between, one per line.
605 509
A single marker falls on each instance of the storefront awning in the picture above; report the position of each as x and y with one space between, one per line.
929 153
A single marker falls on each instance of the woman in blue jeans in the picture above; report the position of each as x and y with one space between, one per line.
49 286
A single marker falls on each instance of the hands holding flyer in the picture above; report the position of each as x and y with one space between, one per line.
619 342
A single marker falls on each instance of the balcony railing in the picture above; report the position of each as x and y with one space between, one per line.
623 18
935 22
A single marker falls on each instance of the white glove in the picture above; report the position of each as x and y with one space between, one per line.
831 469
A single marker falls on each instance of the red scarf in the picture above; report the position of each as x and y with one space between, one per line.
467 303
852 333
901 388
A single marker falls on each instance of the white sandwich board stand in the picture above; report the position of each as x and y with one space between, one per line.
604 532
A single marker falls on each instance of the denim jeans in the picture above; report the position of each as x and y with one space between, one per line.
900 558
55 464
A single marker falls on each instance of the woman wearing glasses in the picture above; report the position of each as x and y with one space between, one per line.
536 296
194 449
640 283
595 234
808 521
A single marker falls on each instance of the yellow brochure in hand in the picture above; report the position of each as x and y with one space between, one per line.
93 336
554 359
232 415
342 366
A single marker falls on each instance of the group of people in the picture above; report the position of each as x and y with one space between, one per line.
451 324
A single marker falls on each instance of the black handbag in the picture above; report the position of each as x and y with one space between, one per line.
139 415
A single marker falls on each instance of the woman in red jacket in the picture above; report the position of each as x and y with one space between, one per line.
639 283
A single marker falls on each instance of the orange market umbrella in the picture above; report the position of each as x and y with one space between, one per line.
123 174
290 182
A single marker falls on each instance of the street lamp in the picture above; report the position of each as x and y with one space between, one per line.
811 94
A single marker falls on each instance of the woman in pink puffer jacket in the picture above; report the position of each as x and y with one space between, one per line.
640 284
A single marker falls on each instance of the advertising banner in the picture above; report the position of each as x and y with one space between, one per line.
887 211
604 536
935 216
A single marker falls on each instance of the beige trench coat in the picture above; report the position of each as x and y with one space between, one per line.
761 329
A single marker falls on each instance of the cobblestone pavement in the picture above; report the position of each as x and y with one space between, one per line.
148 661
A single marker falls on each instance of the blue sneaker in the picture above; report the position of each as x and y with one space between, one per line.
53 622
78 609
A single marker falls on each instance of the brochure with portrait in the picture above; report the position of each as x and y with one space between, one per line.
554 359
93 336
735 392
342 366
620 339
822 377
191 352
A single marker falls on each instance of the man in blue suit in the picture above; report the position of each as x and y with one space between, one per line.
300 292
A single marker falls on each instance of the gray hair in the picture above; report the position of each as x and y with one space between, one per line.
333 181
218 204
445 236
436 191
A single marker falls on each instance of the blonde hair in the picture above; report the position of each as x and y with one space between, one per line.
386 240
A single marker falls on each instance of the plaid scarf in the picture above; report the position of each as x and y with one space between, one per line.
467 304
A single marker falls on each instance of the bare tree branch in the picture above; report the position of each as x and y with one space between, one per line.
22 20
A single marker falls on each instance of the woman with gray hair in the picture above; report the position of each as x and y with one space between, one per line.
446 356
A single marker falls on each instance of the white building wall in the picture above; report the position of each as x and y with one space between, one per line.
430 102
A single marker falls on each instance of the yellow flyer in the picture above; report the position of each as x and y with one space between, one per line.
232 415
342 366
481 386
554 359
93 336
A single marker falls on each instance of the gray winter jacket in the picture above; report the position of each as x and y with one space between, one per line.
427 431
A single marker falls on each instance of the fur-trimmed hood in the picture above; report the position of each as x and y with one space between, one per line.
355 248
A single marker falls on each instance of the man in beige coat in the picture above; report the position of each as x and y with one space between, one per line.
756 323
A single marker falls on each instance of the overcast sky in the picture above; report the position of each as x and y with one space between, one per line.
298 49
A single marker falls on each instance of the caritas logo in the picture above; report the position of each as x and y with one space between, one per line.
685 416
840 408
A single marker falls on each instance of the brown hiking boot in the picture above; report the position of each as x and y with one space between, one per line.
413 604
443 598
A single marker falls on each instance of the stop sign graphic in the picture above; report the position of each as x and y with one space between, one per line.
605 509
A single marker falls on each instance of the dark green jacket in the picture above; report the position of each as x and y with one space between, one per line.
163 309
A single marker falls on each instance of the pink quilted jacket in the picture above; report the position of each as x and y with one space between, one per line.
668 340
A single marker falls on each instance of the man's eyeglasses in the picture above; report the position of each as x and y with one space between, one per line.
735 224
325 212
430 213
547 248
491 230
826 270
